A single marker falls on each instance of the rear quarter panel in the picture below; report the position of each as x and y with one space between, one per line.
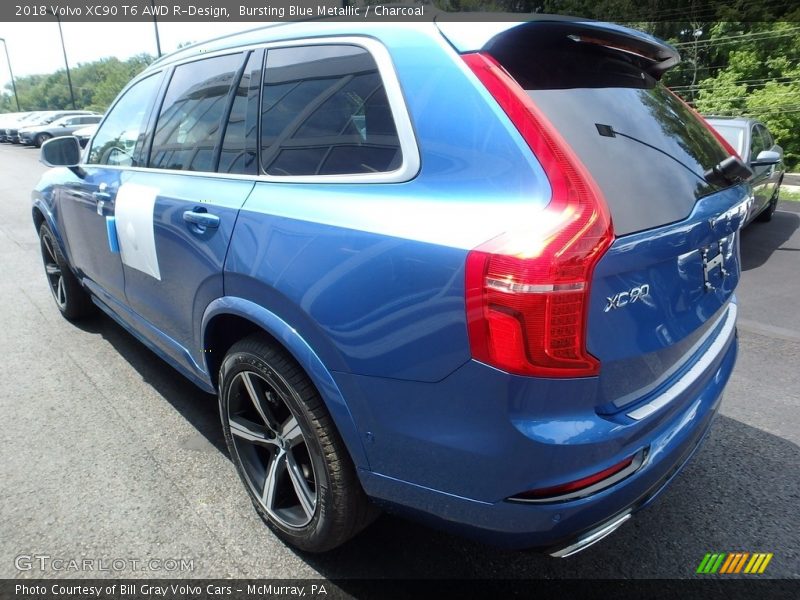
372 274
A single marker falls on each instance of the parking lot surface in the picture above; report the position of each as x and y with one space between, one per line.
108 453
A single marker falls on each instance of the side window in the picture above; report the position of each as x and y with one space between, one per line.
241 134
324 111
189 125
767 136
115 141
757 143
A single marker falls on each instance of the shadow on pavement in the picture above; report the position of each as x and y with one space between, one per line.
733 496
197 407
760 240
739 493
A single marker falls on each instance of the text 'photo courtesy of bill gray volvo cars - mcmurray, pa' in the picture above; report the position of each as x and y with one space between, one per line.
422 271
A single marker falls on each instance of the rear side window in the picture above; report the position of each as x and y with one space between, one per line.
115 142
190 122
324 111
651 168
768 139
758 143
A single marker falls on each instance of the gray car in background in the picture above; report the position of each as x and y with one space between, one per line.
15 120
44 117
39 134
756 146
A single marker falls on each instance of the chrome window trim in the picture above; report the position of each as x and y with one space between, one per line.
394 93
697 370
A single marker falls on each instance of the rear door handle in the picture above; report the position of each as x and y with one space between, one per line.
201 218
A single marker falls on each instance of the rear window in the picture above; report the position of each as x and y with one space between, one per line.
651 167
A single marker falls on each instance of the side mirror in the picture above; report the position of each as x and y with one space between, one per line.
61 152
766 158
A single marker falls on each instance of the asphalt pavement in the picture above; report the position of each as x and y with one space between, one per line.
107 453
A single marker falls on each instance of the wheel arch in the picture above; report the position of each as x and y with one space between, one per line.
40 213
229 319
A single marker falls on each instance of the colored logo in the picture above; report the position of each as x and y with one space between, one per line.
727 563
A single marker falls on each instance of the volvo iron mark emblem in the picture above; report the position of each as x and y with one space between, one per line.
718 261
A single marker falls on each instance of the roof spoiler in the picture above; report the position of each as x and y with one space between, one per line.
656 57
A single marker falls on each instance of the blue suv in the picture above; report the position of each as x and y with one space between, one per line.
480 275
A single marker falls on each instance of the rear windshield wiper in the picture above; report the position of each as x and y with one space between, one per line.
727 172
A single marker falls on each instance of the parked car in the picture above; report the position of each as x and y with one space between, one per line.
8 118
13 121
421 270
44 117
84 134
755 144
39 134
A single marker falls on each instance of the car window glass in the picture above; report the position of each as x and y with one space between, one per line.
766 136
115 141
239 146
324 111
733 134
757 143
189 125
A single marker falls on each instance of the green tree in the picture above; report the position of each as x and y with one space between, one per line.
95 84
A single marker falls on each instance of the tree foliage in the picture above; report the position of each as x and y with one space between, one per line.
744 68
95 85
739 57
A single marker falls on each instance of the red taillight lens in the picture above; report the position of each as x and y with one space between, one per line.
717 135
527 291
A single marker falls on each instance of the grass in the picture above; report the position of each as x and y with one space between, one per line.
791 196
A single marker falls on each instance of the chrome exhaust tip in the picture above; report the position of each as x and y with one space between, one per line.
591 538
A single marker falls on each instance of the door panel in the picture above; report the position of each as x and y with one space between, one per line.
86 204
189 254
761 175
179 225
84 207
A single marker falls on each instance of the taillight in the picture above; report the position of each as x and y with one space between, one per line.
717 135
527 291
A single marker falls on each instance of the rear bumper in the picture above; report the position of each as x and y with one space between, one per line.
490 468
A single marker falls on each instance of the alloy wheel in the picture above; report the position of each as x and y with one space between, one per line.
272 450
55 277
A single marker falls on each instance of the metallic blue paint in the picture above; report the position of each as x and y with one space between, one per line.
670 442
364 285
288 336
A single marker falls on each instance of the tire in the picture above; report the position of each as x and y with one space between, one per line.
71 299
287 450
766 215
41 139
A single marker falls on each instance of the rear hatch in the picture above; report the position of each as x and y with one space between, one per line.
660 295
